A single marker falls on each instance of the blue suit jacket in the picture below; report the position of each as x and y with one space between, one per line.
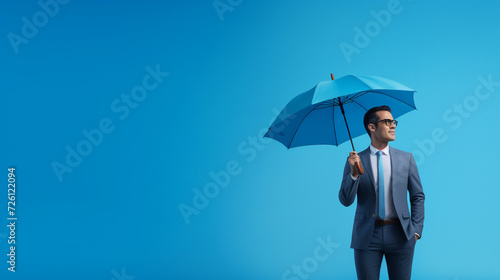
405 179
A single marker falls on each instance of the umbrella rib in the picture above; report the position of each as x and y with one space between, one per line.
295 133
356 95
359 105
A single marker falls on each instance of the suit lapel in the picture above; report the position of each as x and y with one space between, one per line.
394 163
367 165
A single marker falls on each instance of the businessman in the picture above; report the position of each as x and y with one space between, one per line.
384 225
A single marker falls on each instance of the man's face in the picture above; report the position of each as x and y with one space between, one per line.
381 132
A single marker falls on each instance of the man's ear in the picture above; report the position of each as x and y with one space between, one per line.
371 127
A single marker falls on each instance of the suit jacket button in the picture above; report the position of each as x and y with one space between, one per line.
373 215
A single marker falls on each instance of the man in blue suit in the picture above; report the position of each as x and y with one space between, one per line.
383 223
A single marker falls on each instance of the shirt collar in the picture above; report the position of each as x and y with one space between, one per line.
373 150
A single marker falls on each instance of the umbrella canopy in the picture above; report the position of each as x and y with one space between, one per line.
316 117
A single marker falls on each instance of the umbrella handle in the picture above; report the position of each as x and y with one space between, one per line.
359 167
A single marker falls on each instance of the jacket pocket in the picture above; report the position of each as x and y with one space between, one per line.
406 214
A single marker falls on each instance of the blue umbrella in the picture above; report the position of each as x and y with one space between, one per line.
332 112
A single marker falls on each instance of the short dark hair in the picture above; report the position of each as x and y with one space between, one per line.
372 117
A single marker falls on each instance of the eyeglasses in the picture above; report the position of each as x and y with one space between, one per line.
388 122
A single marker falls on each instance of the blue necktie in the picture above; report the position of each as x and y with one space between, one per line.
381 193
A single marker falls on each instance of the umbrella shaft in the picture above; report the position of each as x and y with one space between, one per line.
345 120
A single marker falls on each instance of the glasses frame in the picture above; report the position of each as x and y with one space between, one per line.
389 122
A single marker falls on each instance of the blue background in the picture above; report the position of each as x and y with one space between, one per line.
231 69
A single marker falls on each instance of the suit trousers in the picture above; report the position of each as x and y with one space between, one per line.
391 241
